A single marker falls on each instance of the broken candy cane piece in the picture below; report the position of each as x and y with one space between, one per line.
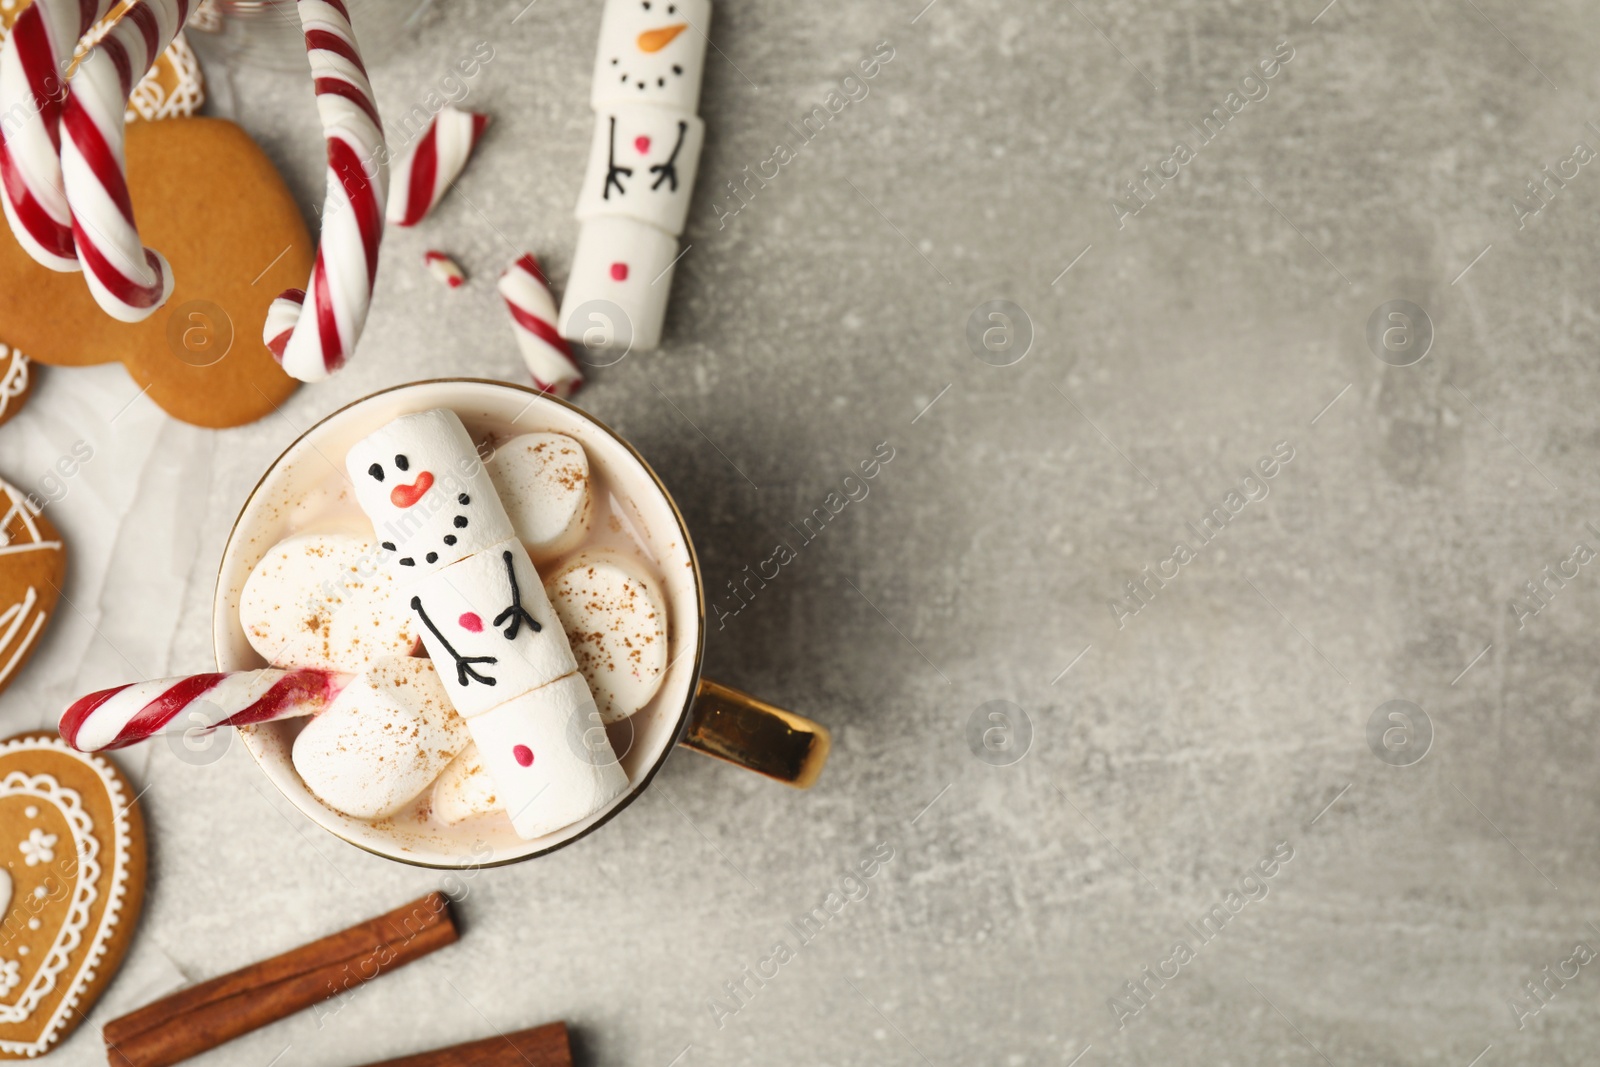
444 268
420 178
115 718
533 317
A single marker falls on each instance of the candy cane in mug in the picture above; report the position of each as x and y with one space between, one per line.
126 715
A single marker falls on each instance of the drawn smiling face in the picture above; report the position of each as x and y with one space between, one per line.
652 52
420 481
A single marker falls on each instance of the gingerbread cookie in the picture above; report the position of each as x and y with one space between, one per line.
33 562
16 382
72 870
209 198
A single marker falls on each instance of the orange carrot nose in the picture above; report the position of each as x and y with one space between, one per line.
656 40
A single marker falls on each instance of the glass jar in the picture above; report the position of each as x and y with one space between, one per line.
266 33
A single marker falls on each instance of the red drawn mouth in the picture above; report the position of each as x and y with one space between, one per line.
403 496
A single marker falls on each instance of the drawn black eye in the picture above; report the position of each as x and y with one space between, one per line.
461 522
672 9
676 69
449 539
402 462
464 499
433 557
647 5
376 470
388 546
661 82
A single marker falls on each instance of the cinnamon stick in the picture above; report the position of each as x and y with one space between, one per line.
542 1046
204 1016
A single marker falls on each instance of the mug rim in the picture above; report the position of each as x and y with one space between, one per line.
700 614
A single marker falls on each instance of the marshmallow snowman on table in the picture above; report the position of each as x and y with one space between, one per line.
642 165
486 621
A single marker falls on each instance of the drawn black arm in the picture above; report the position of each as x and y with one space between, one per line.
463 663
612 170
516 612
669 169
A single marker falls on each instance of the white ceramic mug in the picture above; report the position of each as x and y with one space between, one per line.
307 487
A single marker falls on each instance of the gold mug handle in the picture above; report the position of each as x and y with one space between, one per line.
750 733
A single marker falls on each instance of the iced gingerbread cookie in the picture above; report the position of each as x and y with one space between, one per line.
33 564
72 871
206 196
16 382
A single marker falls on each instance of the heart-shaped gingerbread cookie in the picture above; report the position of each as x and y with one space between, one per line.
73 854
33 562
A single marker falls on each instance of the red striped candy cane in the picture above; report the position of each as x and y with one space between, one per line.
115 718
128 280
33 83
533 315
314 345
422 176
444 268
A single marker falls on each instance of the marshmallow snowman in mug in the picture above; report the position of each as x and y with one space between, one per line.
502 654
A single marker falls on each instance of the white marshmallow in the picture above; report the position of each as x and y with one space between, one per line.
642 164
420 481
325 600
465 789
616 296
617 624
549 757
459 606
651 53
543 481
382 740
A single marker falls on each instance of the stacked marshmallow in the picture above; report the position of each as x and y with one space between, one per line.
642 165
498 646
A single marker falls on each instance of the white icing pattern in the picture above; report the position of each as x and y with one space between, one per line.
13 377
20 623
38 848
75 929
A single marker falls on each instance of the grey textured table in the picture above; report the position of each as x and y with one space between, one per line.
1173 750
